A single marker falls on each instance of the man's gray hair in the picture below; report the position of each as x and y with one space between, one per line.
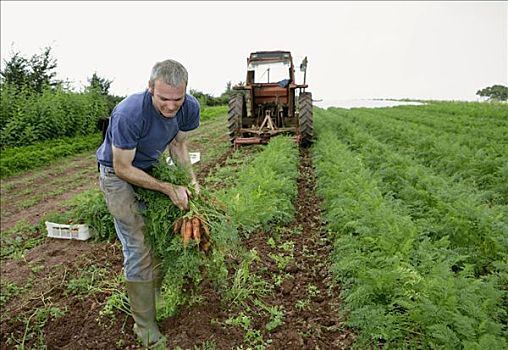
170 72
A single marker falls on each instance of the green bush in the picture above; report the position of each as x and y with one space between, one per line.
27 117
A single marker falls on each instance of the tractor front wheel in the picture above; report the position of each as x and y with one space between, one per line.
305 119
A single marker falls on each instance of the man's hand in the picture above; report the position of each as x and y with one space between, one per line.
179 195
122 162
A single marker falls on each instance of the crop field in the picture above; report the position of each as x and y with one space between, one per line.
389 232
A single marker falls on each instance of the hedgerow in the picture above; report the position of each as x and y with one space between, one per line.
28 117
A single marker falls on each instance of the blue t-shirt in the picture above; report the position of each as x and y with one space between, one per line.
136 123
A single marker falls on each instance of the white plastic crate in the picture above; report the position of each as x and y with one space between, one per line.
79 232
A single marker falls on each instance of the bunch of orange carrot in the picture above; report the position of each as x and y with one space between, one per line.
193 228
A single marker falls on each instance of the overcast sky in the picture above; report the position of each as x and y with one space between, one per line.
355 50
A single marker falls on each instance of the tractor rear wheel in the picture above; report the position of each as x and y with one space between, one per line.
235 113
305 119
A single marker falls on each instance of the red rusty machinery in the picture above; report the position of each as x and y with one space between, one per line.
266 105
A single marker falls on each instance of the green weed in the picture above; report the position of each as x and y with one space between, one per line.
91 279
281 260
302 304
34 328
117 302
8 290
312 291
246 285
16 240
275 312
252 337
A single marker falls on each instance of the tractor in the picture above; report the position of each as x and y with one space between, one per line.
266 104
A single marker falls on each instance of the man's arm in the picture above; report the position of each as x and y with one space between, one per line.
122 163
179 154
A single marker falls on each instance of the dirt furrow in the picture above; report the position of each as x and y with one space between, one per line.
29 196
308 295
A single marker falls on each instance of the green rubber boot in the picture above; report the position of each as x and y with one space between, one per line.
142 301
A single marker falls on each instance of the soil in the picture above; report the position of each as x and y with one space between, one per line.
45 190
307 295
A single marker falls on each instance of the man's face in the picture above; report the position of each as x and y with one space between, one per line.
167 99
